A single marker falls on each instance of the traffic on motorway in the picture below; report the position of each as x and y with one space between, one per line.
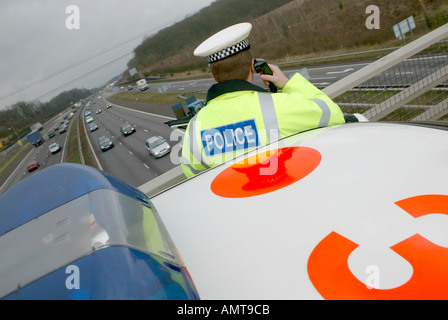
50 152
118 136
127 155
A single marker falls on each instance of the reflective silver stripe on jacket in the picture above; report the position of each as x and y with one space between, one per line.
269 116
326 113
192 143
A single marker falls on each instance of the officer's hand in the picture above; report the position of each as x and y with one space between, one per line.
278 78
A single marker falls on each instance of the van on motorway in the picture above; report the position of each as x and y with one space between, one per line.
142 85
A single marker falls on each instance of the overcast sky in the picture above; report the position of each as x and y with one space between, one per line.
41 48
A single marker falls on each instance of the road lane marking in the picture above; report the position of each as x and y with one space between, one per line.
343 71
152 114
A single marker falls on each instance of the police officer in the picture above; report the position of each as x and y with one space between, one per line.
239 115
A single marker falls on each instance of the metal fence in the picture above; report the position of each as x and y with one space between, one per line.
410 84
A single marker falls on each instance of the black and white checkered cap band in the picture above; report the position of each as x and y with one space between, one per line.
229 51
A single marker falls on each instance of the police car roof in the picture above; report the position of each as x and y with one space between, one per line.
343 198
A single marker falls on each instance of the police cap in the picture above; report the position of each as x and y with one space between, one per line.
225 43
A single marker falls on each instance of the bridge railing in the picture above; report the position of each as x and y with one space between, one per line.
408 84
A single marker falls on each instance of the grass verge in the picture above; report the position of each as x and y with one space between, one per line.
18 154
72 152
89 158
156 98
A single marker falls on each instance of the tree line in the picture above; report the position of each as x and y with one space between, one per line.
17 118
281 29
185 35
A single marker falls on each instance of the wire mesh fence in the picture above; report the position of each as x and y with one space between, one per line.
414 89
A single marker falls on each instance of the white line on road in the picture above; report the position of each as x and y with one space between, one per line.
152 114
343 71
323 78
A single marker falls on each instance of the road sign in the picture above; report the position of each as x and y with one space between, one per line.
132 71
403 27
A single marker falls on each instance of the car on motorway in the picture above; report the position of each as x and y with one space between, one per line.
130 88
89 119
105 143
98 111
51 134
108 106
127 129
87 113
93 126
89 236
54 147
63 129
32 165
157 146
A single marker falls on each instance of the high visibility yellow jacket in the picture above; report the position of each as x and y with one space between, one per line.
239 115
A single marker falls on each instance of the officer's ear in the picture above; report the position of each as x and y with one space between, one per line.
211 72
250 78
213 77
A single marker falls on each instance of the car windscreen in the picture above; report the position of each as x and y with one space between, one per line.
99 219
156 143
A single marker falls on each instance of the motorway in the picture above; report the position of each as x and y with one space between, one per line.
405 73
40 154
129 160
320 76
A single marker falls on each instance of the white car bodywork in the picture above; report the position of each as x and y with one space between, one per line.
142 84
54 147
356 225
157 146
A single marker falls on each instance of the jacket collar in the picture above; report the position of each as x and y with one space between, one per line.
231 86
